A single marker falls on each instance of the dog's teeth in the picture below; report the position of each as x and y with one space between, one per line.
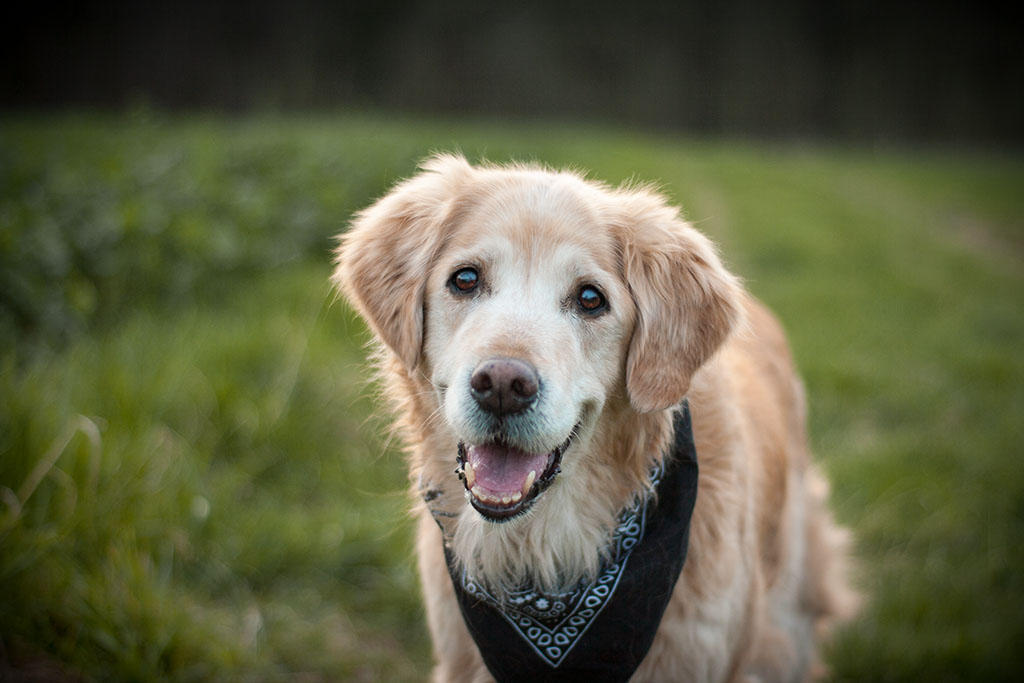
516 497
505 500
476 491
470 475
528 484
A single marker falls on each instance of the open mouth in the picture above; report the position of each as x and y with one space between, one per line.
504 481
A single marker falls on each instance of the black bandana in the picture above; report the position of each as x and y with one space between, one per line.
600 630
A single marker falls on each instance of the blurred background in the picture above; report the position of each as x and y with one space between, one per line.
947 71
196 482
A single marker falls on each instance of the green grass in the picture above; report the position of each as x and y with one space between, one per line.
197 484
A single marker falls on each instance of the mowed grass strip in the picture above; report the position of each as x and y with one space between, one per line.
198 485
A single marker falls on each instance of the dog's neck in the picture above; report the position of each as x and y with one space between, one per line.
564 537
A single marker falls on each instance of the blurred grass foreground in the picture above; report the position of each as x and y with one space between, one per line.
196 485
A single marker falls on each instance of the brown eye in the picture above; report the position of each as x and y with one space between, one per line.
464 280
591 300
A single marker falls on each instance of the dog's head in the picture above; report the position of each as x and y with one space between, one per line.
533 302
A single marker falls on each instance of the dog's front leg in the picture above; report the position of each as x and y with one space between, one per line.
457 657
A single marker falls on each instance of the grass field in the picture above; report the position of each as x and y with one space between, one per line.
197 485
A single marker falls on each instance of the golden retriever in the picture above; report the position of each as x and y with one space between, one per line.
539 336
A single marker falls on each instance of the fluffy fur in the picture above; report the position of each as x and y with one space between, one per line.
765 572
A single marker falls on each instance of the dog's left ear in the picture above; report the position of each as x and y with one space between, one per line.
687 302
383 260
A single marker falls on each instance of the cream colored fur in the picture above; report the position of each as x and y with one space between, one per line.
765 571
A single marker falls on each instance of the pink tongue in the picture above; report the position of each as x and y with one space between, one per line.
503 469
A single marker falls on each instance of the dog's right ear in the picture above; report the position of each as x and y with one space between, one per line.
383 259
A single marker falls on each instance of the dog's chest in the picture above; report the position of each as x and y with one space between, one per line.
601 629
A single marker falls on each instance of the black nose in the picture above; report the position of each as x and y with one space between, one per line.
504 386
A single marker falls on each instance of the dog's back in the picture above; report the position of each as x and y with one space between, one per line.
767 564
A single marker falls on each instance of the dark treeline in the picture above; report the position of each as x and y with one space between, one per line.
842 69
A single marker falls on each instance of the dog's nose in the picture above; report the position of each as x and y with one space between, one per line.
504 386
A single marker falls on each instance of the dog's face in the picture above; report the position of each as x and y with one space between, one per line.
527 322
528 302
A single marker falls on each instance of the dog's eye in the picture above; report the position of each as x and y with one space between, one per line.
591 300
464 280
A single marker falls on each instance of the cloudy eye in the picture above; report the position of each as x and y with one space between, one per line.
590 300
464 280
